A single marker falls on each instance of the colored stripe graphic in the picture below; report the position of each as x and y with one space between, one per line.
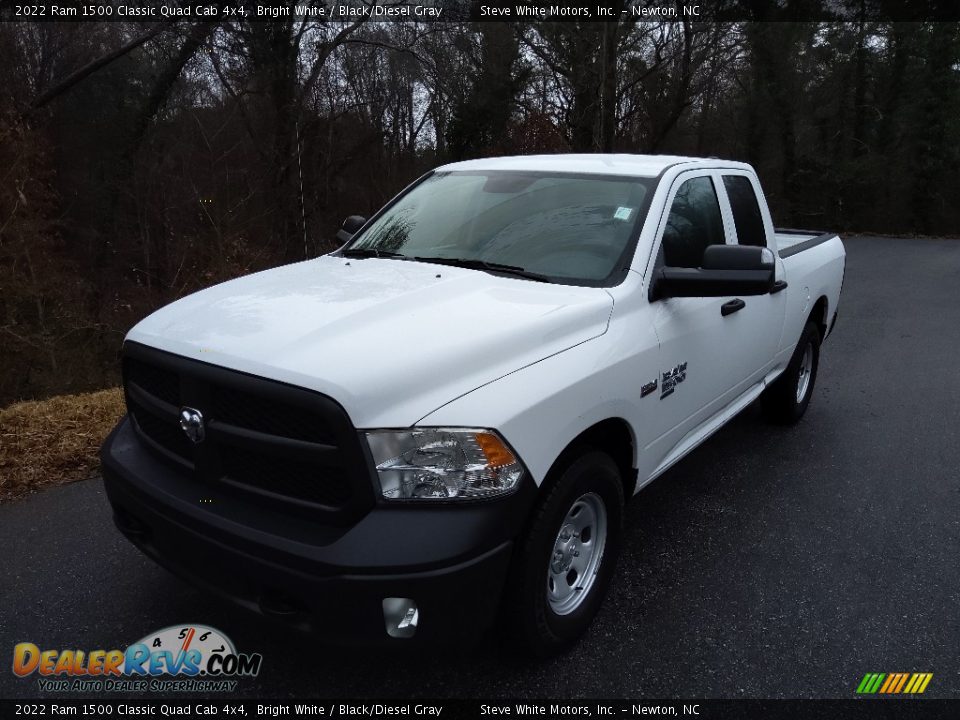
894 683
871 683
903 681
891 685
913 681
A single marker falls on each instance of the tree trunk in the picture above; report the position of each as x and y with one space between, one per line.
608 96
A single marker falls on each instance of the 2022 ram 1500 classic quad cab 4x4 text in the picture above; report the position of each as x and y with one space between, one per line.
442 419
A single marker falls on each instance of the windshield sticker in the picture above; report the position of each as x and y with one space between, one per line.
623 213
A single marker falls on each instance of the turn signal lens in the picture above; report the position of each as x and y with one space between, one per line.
495 451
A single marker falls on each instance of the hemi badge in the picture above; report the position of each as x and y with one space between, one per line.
648 388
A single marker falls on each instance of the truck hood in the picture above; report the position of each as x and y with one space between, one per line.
390 340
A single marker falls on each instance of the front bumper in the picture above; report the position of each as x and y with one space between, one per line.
451 560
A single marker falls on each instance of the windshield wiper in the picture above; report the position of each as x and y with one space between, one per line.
362 252
473 264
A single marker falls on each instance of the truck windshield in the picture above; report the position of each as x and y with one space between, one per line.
571 229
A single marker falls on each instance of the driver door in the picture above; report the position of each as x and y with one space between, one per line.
697 373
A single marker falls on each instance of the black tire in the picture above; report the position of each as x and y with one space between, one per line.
780 402
581 477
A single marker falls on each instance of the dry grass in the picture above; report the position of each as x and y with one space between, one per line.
55 441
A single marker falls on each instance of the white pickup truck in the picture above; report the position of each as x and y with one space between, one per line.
437 425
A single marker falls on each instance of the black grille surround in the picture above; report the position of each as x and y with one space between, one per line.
266 441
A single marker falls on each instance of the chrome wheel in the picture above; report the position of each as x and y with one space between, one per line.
803 377
577 554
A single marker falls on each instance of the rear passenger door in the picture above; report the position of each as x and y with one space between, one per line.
757 327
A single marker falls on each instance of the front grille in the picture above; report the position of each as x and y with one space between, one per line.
165 434
264 415
263 439
284 476
159 382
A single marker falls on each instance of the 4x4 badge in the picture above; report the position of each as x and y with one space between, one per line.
191 422
672 378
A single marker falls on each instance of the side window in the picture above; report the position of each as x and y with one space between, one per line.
746 210
694 223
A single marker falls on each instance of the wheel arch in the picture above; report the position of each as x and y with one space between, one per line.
613 436
819 315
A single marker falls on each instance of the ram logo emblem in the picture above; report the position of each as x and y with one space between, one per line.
191 422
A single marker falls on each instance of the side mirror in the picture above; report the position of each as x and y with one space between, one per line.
725 270
350 227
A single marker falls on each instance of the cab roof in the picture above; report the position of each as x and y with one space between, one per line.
597 163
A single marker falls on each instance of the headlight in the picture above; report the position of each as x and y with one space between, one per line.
443 463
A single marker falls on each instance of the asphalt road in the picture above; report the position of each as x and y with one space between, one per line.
770 563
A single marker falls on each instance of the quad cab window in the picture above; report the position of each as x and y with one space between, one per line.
746 210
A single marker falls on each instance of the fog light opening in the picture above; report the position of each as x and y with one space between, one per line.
401 617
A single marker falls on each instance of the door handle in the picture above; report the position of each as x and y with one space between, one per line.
778 286
728 308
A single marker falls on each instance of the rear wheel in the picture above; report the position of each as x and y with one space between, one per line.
787 398
566 557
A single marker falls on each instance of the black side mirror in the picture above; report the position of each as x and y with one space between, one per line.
725 270
350 227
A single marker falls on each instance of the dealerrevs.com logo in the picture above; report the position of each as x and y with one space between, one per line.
189 658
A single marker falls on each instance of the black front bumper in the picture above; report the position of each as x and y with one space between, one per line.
451 560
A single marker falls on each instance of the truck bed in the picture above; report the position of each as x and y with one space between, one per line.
790 241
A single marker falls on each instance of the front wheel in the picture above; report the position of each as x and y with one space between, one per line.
566 558
786 400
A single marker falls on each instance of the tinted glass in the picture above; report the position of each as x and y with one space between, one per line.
568 227
694 223
746 210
